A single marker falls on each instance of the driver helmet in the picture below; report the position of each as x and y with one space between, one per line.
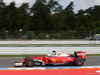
53 52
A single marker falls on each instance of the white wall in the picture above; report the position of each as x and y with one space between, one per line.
46 50
50 42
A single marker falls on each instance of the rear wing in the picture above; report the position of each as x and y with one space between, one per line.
80 54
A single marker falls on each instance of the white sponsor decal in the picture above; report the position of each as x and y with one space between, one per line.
98 71
83 54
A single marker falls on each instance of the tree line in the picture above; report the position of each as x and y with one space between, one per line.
47 15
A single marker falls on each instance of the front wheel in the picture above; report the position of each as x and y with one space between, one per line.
79 61
29 62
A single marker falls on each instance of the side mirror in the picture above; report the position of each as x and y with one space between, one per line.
49 55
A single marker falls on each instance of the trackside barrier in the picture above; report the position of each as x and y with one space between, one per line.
50 42
46 50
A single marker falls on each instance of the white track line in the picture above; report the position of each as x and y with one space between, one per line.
44 68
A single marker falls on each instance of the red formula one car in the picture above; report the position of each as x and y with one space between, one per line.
57 59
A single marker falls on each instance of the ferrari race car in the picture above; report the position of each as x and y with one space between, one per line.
58 59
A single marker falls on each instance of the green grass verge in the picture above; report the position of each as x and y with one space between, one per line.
28 45
93 55
39 55
20 55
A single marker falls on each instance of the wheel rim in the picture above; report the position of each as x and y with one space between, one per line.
29 62
79 62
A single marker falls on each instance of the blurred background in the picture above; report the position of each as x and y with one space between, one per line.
49 19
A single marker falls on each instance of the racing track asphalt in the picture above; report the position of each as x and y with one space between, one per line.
9 61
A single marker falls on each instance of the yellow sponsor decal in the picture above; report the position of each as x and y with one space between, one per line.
53 60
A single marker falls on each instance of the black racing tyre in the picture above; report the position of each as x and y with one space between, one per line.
29 62
79 61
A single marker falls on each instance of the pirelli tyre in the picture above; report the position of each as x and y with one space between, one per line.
79 61
29 62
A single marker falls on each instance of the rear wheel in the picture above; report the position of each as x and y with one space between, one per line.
29 62
79 61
